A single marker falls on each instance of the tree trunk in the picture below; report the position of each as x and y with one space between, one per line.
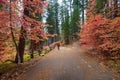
32 54
83 13
115 8
32 47
13 37
21 45
17 59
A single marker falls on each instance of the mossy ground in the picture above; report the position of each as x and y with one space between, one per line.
8 65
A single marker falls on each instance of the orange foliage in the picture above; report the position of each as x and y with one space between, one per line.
102 34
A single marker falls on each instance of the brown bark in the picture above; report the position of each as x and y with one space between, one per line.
21 44
115 8
32 48
13 37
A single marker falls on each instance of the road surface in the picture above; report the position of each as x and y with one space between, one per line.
68 63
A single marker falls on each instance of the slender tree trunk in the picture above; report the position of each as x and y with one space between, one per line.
32 54
115 8
21 44
32 48
16 46
13 37
83 13
70 21
67 41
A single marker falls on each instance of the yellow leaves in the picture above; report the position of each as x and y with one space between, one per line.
36 0
118 29
33 15
49 6
116 20
53 35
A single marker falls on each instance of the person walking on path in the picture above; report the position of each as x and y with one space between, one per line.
58 45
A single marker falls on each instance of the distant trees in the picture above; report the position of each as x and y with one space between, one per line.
53 21
66 28
75 19
71 11
108 7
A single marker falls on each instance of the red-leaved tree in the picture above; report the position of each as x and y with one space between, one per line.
17 18
102 35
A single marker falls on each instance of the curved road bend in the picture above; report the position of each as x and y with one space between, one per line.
68 63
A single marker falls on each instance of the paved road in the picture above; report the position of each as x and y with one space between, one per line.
68 63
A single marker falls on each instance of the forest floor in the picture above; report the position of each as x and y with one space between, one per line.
68 63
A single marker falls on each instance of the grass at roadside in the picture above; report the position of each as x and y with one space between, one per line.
114 65
7 66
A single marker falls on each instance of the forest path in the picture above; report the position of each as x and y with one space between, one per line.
68 63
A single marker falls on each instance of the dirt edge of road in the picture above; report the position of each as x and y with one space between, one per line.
106 63
20 69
